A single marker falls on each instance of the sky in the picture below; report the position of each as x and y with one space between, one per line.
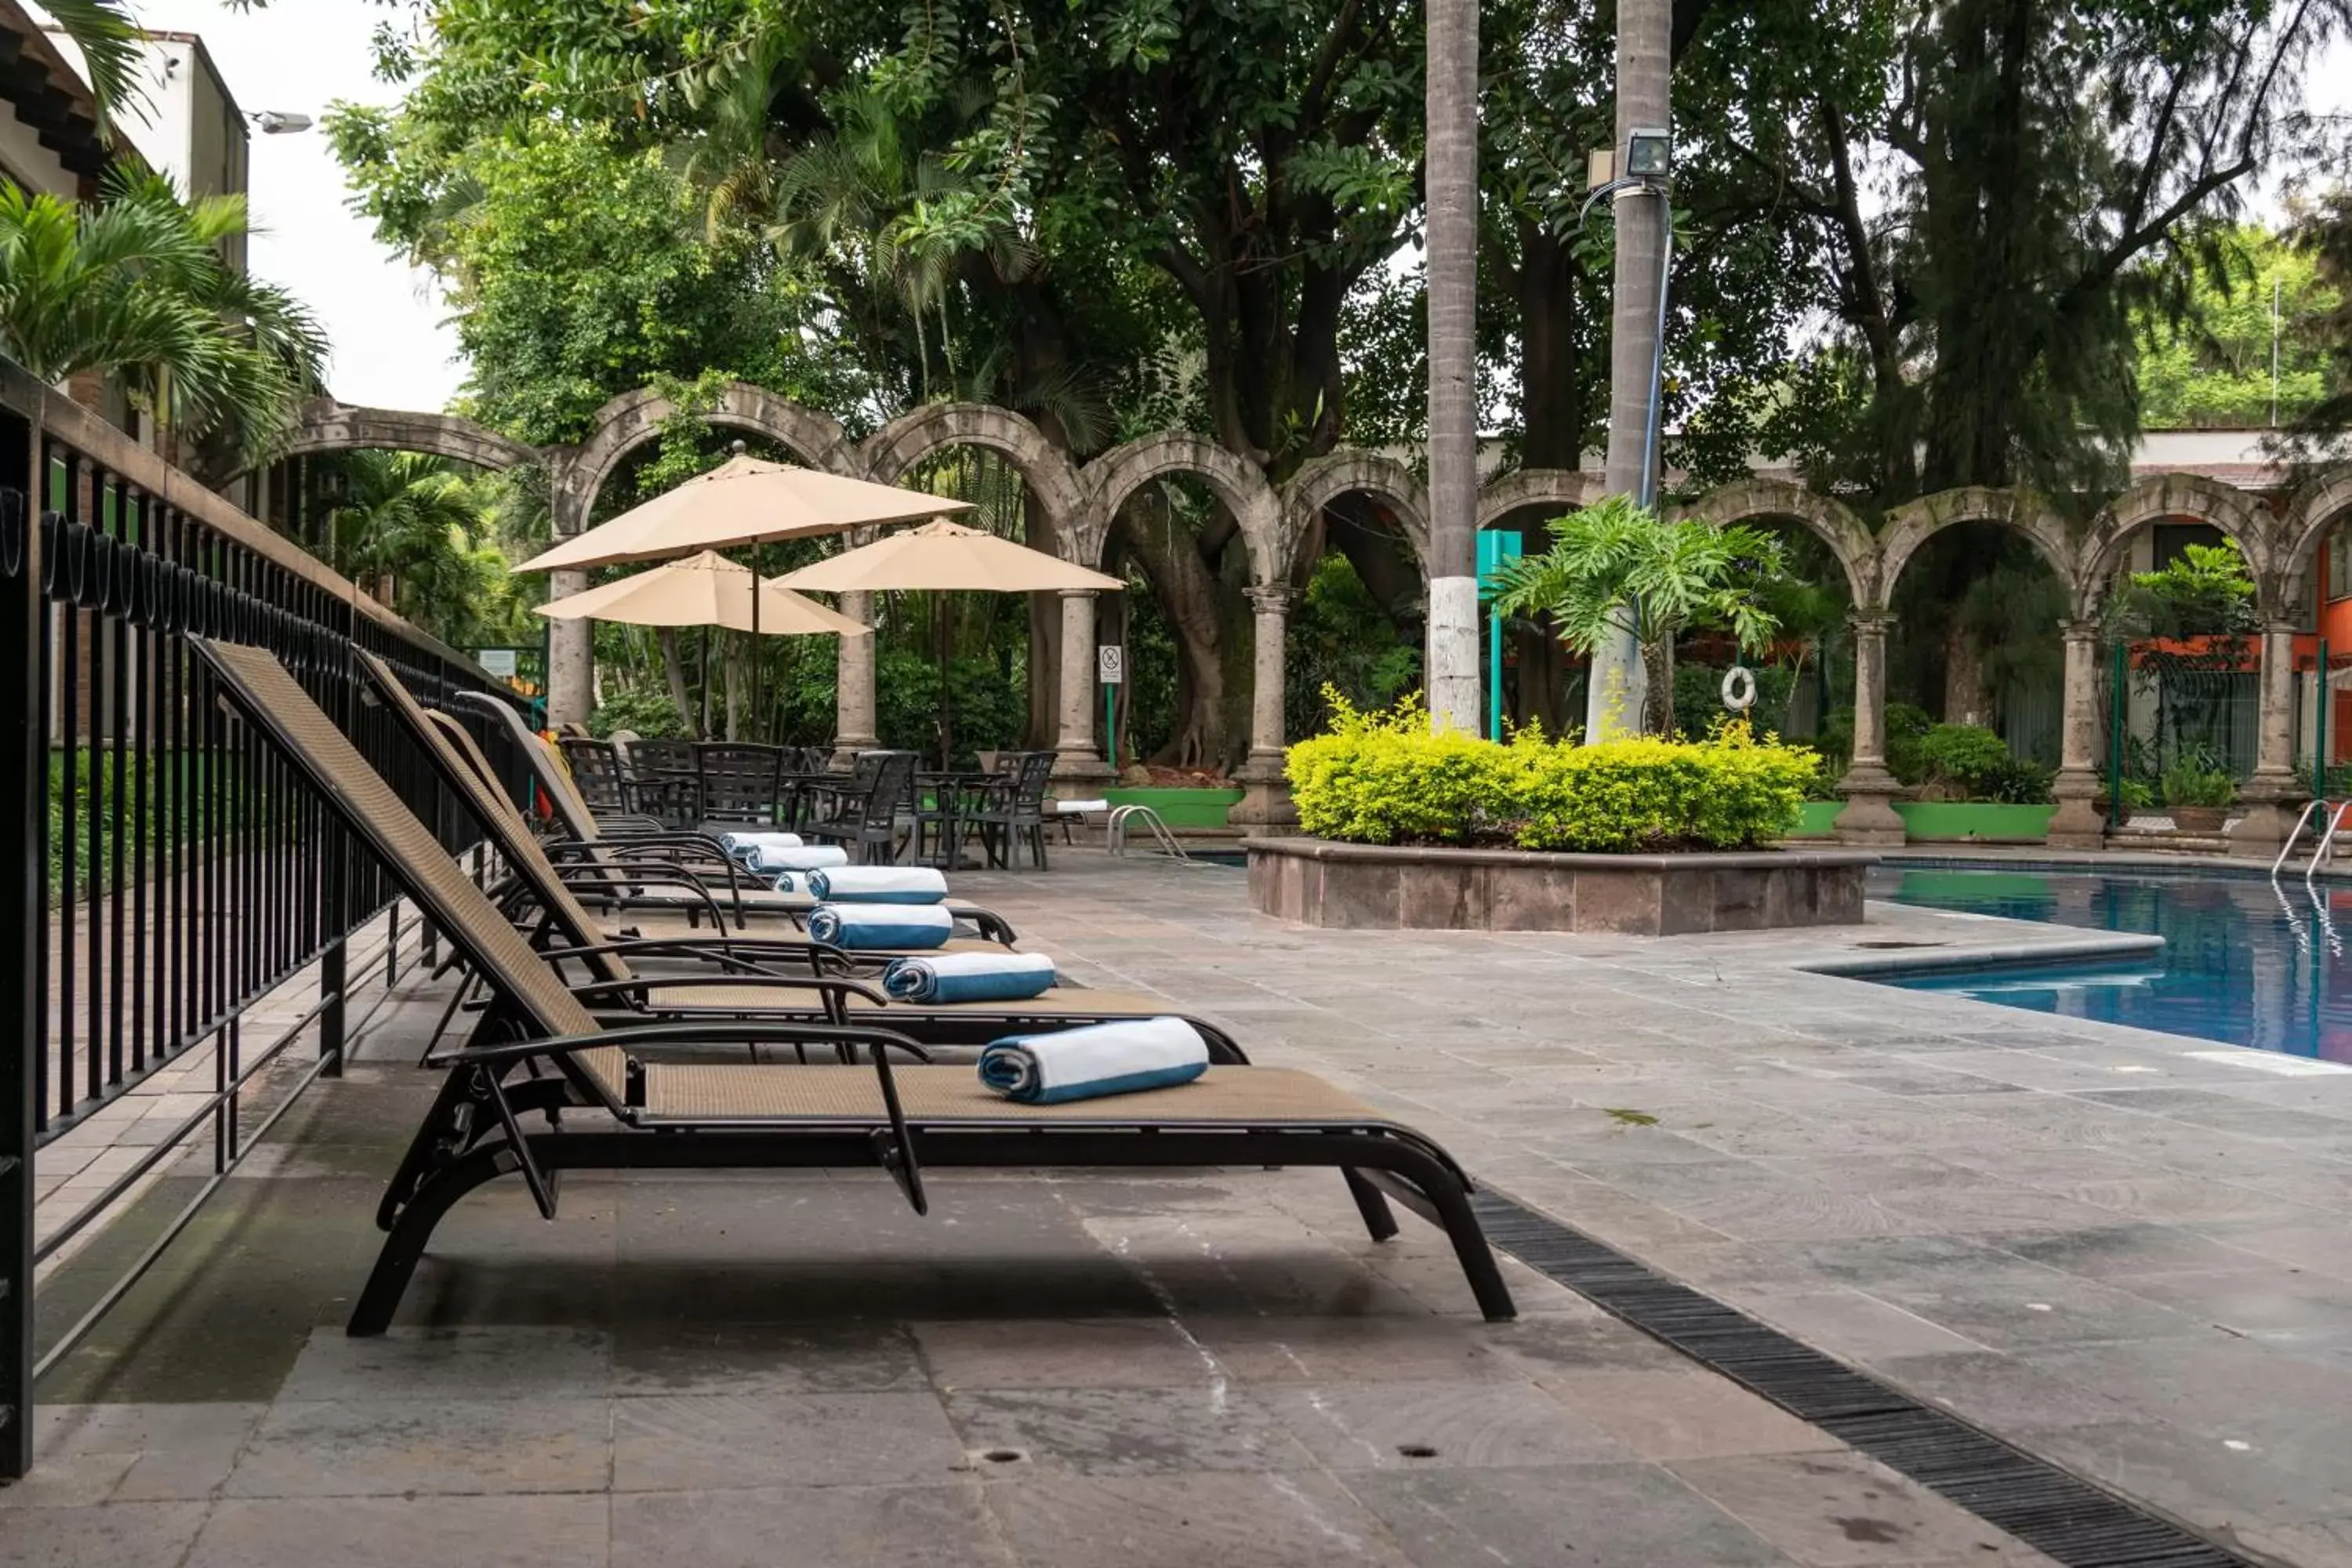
384 317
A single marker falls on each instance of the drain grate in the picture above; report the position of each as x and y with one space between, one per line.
2051 1510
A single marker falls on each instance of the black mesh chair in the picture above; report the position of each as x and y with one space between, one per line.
667 782
864 816
1013 808
598 772
741 783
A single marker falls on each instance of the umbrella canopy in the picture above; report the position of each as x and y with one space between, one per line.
945 557
706 590
744 501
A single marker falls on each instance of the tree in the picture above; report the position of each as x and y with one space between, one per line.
1615 563
134 286
2212 366
416 534
1453 195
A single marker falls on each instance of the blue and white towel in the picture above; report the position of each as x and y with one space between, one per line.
1100 1058
879 885
969 977
737 843
872 928
770 859
1078 807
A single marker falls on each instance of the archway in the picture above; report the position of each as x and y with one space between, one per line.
1360 523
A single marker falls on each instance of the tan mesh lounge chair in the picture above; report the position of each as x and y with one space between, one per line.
742 896
539 1053
617 987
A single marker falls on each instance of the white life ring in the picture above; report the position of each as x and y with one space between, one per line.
1738 688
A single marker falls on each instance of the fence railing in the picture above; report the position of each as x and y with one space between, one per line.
160 870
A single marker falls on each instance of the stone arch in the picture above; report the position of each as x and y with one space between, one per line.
1564 489
635 418
1828 519
891 452
1915 522
1346 469
1243 486
326 425
2163 498
2319 505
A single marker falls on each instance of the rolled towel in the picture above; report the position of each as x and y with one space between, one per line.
736 843
870 928
878 884
1079 807
794 856
1100 1058
969 977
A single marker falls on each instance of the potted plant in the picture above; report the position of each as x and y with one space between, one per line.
2198 793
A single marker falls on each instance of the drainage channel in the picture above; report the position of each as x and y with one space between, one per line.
2050 1510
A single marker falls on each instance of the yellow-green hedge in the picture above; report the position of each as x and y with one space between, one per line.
1383 778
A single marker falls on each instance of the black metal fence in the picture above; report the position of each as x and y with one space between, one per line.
160 870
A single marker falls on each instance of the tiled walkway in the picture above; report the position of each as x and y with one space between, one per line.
2126 1255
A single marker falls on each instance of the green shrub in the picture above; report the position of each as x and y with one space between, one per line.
1383 778
2198 780
1967 761
649 714
1906 727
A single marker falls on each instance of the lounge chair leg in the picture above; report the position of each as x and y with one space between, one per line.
1379 1218
1436 1191
404 1247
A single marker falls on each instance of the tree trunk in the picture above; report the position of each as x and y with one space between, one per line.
673 666
1644 32
1451 671
1658 685
1210 622
1967 700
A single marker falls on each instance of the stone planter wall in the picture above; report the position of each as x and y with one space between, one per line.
1374 887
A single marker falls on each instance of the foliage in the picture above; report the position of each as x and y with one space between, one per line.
2211 367
2206 590
174 791
1965 762
1341 640
134 285
420 537
1907 725
1698 695
1384 778
2197 779
649 715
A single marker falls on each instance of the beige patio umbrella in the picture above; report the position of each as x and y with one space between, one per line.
945 557
744 501
704 590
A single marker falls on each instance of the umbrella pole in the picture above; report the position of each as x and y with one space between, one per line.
947 717
752 729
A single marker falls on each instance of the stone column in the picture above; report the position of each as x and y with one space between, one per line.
2077 824
1077 759
1265 801
571 644
1869 789
2270 796
854 685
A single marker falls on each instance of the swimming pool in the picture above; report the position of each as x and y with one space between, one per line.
2244 961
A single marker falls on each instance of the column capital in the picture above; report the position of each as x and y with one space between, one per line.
2080 630
1871 623
1271 598
1075 593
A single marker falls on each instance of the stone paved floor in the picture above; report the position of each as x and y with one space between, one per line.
2124 1250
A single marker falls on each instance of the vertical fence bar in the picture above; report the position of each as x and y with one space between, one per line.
2118 720
24 871
2324 701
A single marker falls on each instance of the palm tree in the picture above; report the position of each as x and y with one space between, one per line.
1451 112
411 531
109 40
135 286
1615 561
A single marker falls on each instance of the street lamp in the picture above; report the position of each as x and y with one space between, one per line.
277 122
1648 162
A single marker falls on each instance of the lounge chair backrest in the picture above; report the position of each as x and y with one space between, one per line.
740 782
893 785
595 767
273 703
1037 772
571 809
450 747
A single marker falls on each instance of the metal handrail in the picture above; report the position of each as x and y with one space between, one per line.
2295 832
1114 831
2326 841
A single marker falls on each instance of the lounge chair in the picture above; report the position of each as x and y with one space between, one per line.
739 899
618 986
539 1052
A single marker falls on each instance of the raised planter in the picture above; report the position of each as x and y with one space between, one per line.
1377 888
1975 822
1180 808
1817 819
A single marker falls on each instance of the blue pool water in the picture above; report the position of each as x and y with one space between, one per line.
2244 961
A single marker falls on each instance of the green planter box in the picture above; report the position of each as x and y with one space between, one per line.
1180 808
1817 819
1943 821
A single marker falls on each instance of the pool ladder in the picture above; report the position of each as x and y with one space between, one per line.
2327 837
1114 832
